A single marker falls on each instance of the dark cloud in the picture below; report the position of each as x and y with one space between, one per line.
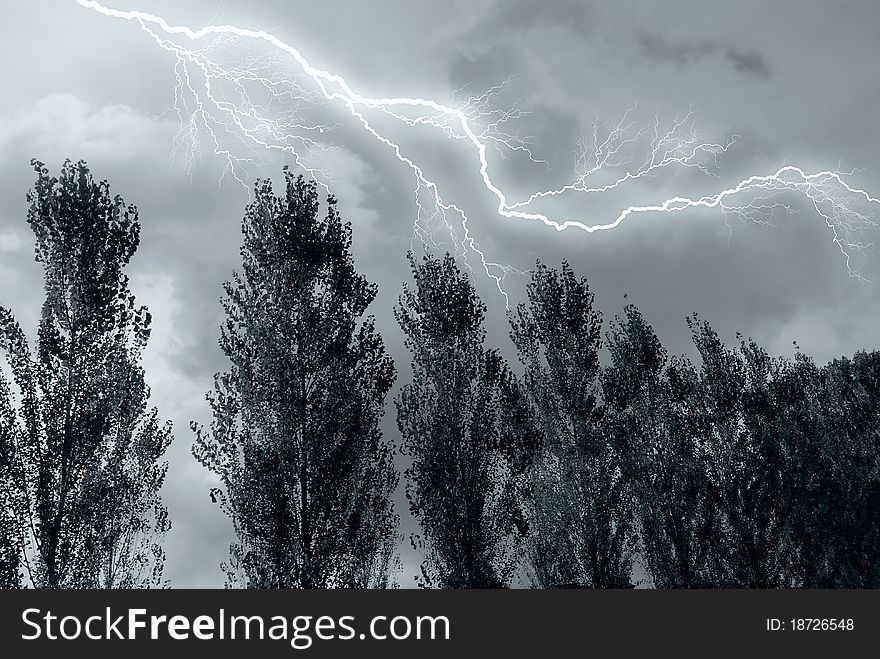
483 68
683 54
662 51
576 16
748 62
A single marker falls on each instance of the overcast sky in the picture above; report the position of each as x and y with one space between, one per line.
797 82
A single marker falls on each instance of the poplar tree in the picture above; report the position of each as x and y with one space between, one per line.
82 456
468 430
833 442
654 409
749 477
582 521
306 476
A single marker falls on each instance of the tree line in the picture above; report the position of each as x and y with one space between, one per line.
597 461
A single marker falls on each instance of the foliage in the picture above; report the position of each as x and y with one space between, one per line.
468 430
581 512
306 476
81 453
652 405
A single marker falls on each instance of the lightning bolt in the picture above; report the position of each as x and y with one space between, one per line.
608 158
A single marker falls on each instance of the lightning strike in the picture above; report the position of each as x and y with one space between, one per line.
608 158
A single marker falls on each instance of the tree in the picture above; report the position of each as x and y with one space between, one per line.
10 577
467 428
835 454
82 455
10 574
581 513
748 474
653 413
800 391
307 477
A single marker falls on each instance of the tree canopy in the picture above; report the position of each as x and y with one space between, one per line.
81 456
468 431
306 476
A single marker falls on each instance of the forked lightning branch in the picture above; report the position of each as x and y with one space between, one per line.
215 100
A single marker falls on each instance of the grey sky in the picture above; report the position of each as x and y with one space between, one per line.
798 82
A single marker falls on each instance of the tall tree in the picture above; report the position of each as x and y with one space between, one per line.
748 474
468 430
653 411
800 392
837 469
307 477
582 524
82 453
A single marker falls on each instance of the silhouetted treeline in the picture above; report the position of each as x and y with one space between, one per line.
740 470
748 470
597 461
